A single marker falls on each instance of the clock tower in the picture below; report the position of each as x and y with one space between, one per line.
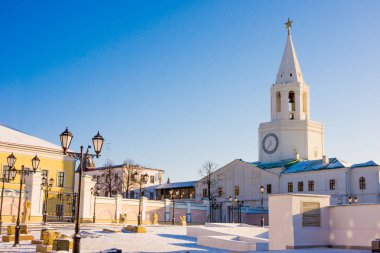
290 133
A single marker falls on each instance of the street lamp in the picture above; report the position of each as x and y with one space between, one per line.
262 205
172 196
66 138
350 200
94 192
47 187
355 200
143 179
233 202
23 172
11 159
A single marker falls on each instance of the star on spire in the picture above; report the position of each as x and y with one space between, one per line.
288 25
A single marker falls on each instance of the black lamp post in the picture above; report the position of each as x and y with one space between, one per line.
172 196
66 138
143 179
23 172
262 205
47 187
11 159
95 193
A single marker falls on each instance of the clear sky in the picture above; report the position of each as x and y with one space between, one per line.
171 84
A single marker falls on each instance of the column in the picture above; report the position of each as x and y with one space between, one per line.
34 195
298 101
86 198
167 209
188 212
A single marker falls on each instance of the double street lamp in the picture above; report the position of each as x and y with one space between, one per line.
46 187
11 175
23 172
143 179
66 138
171 193
95 193
262 205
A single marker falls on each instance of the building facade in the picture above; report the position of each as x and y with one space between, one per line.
291 154
53 164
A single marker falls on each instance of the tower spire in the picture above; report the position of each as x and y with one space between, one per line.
290 70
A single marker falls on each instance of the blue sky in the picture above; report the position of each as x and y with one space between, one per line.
171 84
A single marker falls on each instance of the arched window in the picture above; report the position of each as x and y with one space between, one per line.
278 102
362 183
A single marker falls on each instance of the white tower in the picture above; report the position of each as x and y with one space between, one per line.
290 133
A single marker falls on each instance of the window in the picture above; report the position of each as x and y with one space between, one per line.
300 186
132 194
61 178
362 183
332 184
236 191
290 187
151 195
204 193
311 185
152 179
116 177
220 191
269 188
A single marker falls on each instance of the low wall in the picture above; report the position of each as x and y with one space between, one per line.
254 219
354 226
112 209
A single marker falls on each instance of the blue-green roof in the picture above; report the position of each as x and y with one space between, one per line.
315 165
366 164
283 163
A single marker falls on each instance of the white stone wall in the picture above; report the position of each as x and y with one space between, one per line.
249 178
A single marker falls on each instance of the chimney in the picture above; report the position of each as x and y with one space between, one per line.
325 159
297 156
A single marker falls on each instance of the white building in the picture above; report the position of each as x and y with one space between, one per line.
117 179
291 152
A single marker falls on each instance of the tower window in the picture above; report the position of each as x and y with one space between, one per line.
278 102
291 74
292 104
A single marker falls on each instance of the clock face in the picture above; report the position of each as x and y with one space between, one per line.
270 143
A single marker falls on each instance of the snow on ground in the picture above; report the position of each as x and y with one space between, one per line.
157 239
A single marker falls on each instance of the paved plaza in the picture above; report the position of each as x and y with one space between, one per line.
157 239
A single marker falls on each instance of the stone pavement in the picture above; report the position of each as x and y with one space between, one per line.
157 239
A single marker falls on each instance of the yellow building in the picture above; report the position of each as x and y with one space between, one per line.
53 164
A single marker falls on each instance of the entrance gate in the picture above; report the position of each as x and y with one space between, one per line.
216 213
61 206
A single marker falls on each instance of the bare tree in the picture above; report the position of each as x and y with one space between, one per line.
109 181
129 168
209 178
